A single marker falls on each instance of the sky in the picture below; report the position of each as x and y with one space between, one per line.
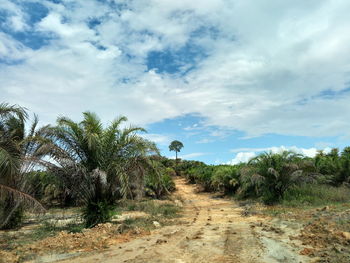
228 78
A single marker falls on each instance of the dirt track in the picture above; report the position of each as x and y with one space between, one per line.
213 230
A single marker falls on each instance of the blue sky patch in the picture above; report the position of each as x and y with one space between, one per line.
33 40
175 61
93 22
35 12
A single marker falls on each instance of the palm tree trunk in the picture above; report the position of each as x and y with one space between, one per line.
176 171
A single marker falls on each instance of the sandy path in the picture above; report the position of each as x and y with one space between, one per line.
213 231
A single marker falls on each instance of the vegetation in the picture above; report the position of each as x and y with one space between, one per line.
102 170
284 177
176 146
105 161
75 163
20 151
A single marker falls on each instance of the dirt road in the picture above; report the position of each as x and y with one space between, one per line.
213 230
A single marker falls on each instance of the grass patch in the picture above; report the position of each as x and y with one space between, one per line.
49 229
316 195
154 208
160 211
145 223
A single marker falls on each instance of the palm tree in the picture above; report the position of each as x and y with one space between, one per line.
102 160
176 146
334 166
19 153
270 174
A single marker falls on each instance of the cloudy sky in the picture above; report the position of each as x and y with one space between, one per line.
229 78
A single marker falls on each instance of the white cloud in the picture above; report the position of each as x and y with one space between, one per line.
264 71
245 154
205 140
191 155
160 139
16 19
242 157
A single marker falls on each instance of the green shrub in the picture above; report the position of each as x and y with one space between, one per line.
16 218
225 178
159 181
95 213
185 166
270 175
201 174
334 165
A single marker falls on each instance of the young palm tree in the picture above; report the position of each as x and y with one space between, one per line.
270 174
102 160
19 152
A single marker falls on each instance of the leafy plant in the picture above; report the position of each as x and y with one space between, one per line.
19 153
159 181
99 165
270 174
225 178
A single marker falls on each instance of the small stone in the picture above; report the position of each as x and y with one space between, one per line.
345 235
305 251
160 241
326 208
156 224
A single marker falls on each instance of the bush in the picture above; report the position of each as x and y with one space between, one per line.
225 178
95 213
159 182
334 165
185 166
202 175
270 175
16 218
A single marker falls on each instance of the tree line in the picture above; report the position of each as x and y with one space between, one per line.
278 177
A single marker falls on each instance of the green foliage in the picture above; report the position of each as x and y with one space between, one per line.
16 215
97 212
184 166
159 181
335 166
316 195
20 150
152 207
212 178
269 175
48 229
99 165
45 186
176 146
202 175
225 178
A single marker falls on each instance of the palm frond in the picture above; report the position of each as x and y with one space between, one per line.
7 110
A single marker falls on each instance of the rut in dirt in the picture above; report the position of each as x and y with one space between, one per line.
211 230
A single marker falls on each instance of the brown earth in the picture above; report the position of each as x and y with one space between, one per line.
212 230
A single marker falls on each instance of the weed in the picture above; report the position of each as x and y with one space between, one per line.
316 195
